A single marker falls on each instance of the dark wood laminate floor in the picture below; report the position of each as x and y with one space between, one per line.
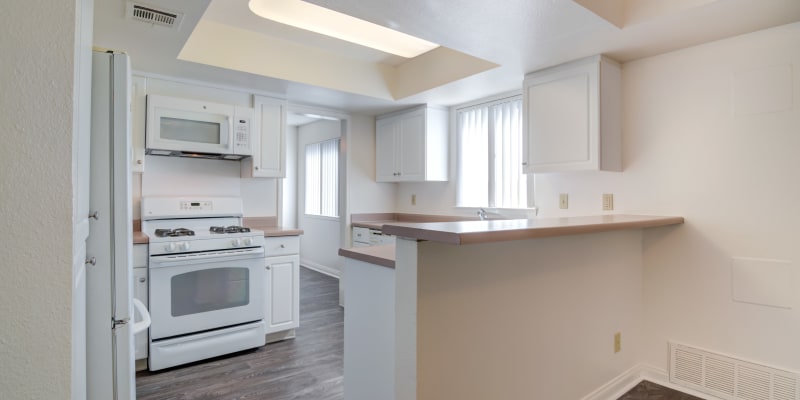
650 391
307 367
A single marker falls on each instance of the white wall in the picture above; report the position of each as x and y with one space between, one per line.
36 196
695 145
709 133
289 184
366 195
320 242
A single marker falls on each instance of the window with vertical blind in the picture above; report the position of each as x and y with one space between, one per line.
322 178
490 155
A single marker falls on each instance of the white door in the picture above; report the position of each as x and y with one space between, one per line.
386 165
109 310
283 288
411 146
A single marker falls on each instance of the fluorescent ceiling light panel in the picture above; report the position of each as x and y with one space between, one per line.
321 20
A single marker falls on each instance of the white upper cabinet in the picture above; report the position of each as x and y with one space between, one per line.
269 140
411 146
571 117
138 108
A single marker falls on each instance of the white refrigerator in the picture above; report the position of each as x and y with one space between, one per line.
110 371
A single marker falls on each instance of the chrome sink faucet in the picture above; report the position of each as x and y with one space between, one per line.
482 214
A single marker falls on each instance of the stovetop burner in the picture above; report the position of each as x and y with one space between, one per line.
229 229
174 232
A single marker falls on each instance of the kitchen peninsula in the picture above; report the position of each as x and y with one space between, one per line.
496 309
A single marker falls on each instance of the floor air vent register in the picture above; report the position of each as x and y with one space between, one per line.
730 378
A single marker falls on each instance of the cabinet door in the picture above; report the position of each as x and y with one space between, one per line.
410 150
140 292
269 140
571 119
385 158
562 128
282 301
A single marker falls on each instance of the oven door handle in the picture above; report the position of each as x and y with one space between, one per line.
199 258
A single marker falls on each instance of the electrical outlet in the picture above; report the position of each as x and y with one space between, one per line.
608 201
413 199
563 201
617 342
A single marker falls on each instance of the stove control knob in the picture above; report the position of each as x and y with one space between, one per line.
170 247
184 246
248 241
236 242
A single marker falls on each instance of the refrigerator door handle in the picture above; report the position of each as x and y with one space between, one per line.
142 310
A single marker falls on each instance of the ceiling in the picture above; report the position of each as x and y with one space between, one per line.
487 47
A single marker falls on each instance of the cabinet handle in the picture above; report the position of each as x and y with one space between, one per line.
140 162
283 246
268 268
93 216
256 168
142 280
525 163
91 260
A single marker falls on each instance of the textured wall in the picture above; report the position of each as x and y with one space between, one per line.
36 108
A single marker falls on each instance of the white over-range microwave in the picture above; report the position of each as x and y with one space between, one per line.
199 129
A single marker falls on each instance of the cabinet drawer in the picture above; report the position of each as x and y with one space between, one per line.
140 255
278 246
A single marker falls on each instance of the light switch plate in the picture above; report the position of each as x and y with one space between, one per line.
563 201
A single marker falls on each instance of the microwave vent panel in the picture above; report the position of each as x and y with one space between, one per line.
153 15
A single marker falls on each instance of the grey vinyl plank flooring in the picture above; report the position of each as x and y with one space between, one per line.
309 366
647 390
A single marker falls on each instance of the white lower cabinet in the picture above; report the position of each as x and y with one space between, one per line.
282 300
140 292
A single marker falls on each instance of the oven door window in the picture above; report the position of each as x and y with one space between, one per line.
207 290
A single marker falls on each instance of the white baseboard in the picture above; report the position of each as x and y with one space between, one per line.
620 385
323 269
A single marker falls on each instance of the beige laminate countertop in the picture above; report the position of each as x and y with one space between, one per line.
378 220
273 231
373 224
140 238
469 232
379 255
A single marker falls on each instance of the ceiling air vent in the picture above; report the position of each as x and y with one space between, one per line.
153 15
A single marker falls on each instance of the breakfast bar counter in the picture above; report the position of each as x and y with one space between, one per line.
497 309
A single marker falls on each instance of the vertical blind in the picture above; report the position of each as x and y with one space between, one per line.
322 178
490 155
